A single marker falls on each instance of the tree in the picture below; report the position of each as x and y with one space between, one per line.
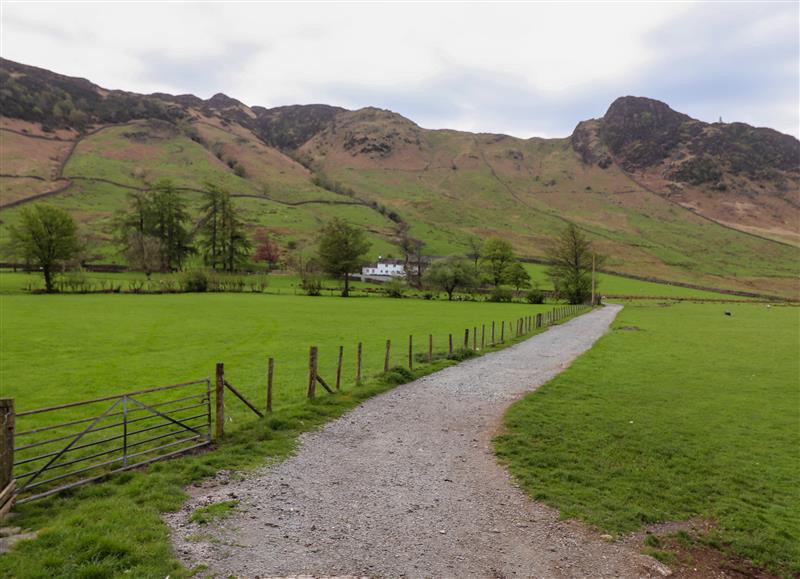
571 265
224 242
170 220
160 213
47 236
474 245
144 252
450 274
266 249
415 259
342 248
211 228
497 254
517 275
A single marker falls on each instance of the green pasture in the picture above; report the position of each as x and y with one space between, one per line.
60 348
679 412
17 282
624 286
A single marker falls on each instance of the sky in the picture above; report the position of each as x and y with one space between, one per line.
524 69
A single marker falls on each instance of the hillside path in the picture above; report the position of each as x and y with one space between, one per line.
406 485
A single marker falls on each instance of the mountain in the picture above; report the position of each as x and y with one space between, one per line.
663 195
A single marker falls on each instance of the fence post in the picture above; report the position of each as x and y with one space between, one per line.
474 337
430 348
386 357
502 331
358 365
339 367
451 342
483 336
466 338
270 372
7 418
220 398
492 333
410 352
312 372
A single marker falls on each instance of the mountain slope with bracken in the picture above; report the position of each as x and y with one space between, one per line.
663 195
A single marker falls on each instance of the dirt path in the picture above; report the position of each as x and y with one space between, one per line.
406 485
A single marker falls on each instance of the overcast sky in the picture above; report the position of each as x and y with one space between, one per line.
521 69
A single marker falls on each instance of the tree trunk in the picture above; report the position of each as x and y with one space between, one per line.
346 291
48 279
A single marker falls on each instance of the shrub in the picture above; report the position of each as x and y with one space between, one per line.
394 288
500 294
462 354
398 375
195 280
535 296
311 284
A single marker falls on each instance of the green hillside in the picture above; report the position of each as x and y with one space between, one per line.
630 180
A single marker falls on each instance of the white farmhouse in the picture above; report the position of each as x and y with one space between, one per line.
385 267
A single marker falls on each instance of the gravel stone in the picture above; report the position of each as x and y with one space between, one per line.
406 485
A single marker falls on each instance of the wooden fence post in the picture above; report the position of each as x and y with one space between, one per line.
502 331
7 483
386 357
339 368
312 372
466 338
493 333
430 348
410 352
451 342
483 336
7 418
270 372
474 337
358 365
220 399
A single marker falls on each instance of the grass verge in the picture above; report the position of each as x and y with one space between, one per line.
678 412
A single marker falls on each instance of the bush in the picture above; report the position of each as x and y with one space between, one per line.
398 375
500 294
311 284
394 288
462 354
535 296
195 280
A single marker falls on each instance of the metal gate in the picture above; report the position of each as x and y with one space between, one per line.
121 432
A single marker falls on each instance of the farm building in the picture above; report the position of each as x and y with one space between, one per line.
385 267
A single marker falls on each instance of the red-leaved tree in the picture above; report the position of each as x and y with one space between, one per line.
266 249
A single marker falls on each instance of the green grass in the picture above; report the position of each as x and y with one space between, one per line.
608 284
61 348
18 282
678 412
214 512
71 347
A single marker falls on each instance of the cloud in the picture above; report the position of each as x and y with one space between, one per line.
524 69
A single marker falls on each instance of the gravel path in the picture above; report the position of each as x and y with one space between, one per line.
406 485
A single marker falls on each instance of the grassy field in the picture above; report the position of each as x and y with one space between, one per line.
18 282
608 284
62 348
678 412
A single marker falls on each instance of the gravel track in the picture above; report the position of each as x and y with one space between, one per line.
406 485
